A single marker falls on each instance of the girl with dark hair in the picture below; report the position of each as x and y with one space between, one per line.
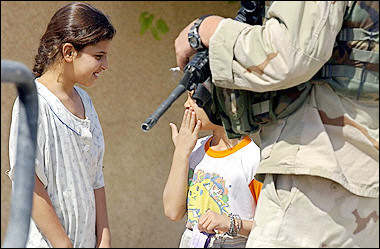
69 202
212 181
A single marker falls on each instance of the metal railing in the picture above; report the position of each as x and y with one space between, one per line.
23 186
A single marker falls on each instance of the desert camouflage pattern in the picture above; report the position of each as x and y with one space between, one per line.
336 219
352 71
333 135
338 136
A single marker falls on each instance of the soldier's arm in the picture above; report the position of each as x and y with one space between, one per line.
295 42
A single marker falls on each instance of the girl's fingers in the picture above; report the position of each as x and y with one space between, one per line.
192 120
197 127
184 118
210 228
188 117
205 225
203 218
174 132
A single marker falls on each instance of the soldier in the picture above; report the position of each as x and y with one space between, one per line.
308 79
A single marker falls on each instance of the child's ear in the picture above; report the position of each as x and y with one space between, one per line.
68 52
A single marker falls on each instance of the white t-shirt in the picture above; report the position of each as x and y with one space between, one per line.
69 162
219 180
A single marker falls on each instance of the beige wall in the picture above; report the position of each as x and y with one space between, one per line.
138 80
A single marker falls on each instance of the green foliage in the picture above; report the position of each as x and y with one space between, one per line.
161 25
146 21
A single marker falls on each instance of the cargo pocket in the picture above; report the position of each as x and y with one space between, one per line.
282 189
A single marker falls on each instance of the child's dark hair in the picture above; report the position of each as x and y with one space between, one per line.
77 23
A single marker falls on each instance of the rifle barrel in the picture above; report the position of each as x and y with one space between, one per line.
174 95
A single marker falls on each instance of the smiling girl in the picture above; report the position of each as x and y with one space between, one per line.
69 202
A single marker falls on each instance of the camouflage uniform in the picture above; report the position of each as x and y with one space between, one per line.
319 157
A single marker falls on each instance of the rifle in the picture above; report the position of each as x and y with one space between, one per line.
198 69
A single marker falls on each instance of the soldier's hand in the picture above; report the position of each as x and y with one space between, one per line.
183 50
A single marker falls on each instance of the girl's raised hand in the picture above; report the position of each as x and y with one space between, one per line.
186 138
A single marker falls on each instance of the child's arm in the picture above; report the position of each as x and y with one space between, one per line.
103 234
175 192
211 221
44 216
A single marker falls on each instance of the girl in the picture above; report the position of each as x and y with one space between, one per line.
69 202
211 178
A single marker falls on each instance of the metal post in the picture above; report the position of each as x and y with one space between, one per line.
22 196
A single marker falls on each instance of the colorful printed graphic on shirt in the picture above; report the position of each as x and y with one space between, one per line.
206 191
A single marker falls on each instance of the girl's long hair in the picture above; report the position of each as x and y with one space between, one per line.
77 23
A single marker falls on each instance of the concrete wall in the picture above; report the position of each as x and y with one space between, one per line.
136 164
